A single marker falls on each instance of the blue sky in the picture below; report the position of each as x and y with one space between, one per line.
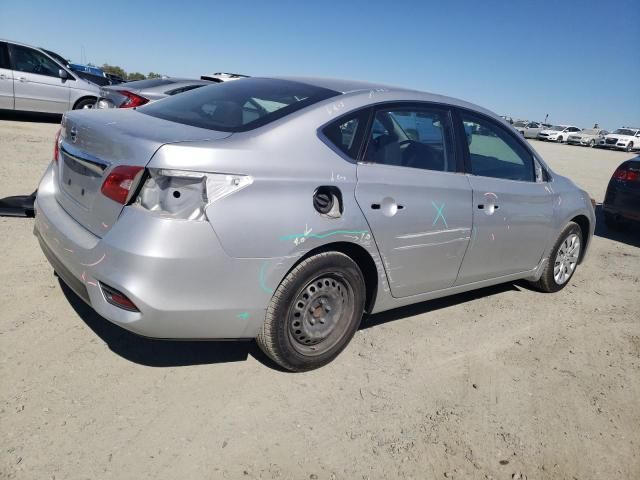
578 61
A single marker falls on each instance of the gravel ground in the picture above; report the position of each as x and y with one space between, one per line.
501 383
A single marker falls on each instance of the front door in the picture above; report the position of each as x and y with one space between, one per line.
512 204
6 79
417 206
37 83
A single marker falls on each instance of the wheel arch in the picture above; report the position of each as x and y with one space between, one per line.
363 259
585 227
84 97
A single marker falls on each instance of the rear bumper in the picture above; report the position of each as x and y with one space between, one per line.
175 272
622 201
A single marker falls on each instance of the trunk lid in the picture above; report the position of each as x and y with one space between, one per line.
93 142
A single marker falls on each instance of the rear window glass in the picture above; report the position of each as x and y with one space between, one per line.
238 106
154 82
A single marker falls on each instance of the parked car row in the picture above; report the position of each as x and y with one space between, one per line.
625 138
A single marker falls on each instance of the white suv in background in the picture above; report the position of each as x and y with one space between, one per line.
31 80
625 138
558 133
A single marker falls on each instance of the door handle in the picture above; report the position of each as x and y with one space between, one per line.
3 76
481 206
377 206
22 79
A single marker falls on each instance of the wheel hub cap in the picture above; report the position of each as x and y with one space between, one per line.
566 259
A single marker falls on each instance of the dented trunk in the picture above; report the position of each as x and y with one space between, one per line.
94 142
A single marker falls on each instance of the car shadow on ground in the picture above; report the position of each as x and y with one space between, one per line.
628 233
30 117
172 353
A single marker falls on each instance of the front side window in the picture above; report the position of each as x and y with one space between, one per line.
238 106
415 137
4 56
494 152
28 60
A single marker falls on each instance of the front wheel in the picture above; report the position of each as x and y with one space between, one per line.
629 147
314 313
560 139
563 260
592 143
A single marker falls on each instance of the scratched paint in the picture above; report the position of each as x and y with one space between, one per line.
439 214
323 235
261 277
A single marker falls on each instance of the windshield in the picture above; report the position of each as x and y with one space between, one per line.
56 57
520 124
557 128
624 131
591 131
238 106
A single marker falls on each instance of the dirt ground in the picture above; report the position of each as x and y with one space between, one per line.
501 383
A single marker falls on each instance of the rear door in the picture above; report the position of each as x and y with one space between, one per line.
37 83
418 207
6 78
512 203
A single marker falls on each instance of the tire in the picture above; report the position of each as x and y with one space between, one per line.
559 139
85 103
629 147
314 312
592 143
552 281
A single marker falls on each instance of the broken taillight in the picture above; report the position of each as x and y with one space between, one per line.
120 184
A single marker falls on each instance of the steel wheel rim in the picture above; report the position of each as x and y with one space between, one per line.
566 259
319 316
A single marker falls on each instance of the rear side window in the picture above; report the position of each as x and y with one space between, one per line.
494 152
346 133
412 136
238 106
4 56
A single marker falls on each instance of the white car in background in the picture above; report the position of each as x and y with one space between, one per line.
558 133
626 139
220 77
589 137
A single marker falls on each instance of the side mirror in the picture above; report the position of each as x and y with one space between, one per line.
62 73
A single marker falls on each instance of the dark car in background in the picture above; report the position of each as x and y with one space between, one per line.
622 200
141 92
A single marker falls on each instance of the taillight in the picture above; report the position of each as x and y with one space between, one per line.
626 175
56 147
132 100
121 183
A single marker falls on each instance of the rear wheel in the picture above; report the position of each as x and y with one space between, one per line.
314 313
563 260
85 104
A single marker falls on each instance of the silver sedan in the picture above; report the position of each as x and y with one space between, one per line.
282 209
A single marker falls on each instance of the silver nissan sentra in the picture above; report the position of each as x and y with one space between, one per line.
281 209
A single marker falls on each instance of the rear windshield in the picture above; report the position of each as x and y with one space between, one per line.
238 106
154 82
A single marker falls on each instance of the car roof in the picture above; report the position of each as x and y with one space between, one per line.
345 86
